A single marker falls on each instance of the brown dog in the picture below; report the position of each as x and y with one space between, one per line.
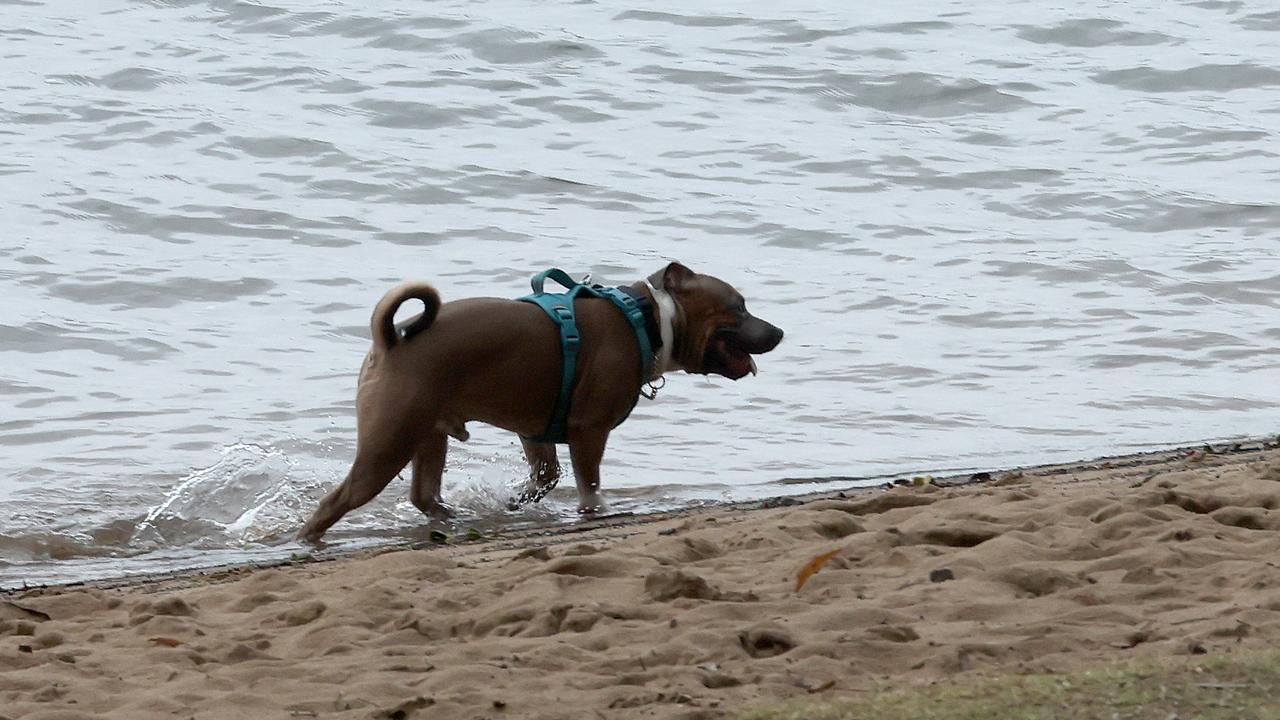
499 362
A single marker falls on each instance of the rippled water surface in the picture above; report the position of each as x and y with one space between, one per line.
995 233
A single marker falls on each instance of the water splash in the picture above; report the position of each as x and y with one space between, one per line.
252 494
502 478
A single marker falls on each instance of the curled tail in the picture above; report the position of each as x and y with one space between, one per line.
386 333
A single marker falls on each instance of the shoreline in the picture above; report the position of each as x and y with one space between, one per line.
701 614
525 536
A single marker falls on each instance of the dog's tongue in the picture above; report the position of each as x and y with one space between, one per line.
737 361
741 363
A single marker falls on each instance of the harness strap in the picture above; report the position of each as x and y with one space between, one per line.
556 274
560 308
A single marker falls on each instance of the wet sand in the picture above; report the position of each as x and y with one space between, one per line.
688 615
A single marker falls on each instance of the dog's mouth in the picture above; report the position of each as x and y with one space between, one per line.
726 356
730 349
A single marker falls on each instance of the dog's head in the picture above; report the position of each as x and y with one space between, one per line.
714 333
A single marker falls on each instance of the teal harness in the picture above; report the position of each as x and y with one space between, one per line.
559 306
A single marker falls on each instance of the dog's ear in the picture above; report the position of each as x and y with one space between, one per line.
672 277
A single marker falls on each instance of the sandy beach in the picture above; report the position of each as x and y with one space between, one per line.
689 615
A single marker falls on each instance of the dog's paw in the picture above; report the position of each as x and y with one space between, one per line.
309 538
591 505
439 511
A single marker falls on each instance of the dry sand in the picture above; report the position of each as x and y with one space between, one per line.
695 616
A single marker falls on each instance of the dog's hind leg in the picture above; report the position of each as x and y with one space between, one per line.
428 467
369 475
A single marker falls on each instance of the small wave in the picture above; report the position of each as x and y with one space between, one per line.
160 293
683 20
35 546
133 79
921 94
1091 32
1203 78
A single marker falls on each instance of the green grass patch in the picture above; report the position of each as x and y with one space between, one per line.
1243 686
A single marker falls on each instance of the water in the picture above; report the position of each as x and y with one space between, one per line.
995 233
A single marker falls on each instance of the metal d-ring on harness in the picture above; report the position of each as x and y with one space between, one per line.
559 306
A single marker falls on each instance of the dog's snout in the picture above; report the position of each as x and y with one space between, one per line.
775 336
759 336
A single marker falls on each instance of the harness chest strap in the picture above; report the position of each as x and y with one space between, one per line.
560 308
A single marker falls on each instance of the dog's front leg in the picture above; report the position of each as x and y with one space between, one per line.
544 466
586 448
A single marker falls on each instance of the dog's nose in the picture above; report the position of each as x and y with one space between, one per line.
775 335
